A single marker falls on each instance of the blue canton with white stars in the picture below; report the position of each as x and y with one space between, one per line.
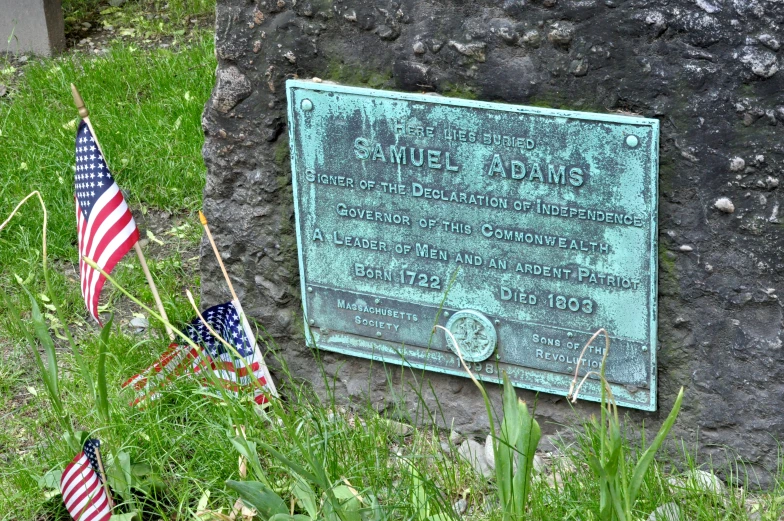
225 320
91 446
92 174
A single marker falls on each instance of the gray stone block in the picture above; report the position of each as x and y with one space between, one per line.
34 26
704 69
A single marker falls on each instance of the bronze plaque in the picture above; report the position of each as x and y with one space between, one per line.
522 230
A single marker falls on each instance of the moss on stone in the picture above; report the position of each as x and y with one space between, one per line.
454 90
281 154
352 74
666 264
668 274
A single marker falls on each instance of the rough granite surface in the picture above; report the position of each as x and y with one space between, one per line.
707 69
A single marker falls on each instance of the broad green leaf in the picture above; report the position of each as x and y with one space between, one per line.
348 501
141 469
617 503
375 512
247 449
289 517
596 466
306 496
504 448
418 496
613 459
605 501
259 496
528 440
50 480
51 384
118 474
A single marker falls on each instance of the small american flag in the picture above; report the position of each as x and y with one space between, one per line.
175 362
106 229
81 486
248 373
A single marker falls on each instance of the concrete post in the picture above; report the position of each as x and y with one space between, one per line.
34 26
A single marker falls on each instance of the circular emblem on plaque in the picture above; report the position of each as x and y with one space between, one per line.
474 333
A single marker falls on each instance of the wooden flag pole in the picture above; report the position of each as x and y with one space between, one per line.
105 479
85 115
265 369
153 288
203 220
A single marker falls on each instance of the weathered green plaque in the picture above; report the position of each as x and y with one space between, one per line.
523 230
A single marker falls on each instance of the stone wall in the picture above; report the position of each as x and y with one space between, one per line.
707 69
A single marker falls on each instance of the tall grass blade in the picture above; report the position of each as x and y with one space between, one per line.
528 440
505 456
51 385
650 452
102 394
51 294
296 467
48 370
42 333
617 502
607 456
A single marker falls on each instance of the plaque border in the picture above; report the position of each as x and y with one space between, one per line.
315 339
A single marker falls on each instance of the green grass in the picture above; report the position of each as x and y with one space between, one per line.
146 109
143 20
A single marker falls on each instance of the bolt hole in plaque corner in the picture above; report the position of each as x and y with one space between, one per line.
545 218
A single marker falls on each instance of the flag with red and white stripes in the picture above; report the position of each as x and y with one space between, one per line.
175 362
240 370
105 227
82 488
